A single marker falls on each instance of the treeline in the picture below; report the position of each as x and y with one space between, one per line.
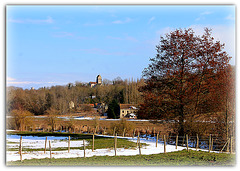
58 98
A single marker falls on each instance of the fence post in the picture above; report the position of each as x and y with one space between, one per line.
139 146
115 145
212 144
68 144
231 141
147 134
104 130
114 131
225 145
93 143
209 144
84 149
164 138
50 149
176 141
20 148
137 138
187 141
124 131
157 140
197 142
228 144
45 146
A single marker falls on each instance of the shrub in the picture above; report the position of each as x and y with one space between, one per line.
120 126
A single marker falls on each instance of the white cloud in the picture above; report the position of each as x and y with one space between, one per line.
115 38
100 51
197 19
117 22
164 31
206 13
49 20
151 19
63 34
10 79
15 21
127 20
229 17
22 82
224 34
98 23
129 38
203 14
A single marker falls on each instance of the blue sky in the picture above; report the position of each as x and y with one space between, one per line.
55 45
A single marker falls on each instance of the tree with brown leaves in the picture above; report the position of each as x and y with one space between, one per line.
181 74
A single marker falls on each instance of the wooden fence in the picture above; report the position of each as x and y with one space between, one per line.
210 143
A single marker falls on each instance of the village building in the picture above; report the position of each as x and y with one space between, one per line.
98 82
71 105
128 111
101 107
92 84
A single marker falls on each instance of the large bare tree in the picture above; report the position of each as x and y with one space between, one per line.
180 74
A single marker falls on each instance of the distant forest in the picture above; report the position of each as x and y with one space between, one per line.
58 97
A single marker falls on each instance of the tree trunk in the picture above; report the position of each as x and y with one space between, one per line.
181 121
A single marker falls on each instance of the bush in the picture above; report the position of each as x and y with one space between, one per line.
120 126
86 108
20 119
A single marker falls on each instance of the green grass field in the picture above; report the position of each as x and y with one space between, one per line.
179 158
98 144
99 141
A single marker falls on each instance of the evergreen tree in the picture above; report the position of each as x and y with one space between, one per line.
113 109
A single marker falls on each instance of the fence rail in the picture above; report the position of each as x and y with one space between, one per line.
210 143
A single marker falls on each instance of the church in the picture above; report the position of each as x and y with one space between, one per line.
98 82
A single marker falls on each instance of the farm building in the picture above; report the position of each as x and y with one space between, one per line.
127 109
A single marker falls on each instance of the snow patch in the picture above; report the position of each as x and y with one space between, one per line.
31 143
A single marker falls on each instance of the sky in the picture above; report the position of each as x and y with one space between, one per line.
50 45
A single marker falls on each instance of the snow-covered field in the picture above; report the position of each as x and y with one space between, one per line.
13 142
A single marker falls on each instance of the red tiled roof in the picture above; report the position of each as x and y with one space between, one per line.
92 105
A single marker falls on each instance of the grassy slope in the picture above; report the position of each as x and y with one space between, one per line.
179 158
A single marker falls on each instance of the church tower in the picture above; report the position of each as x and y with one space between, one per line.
99 80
